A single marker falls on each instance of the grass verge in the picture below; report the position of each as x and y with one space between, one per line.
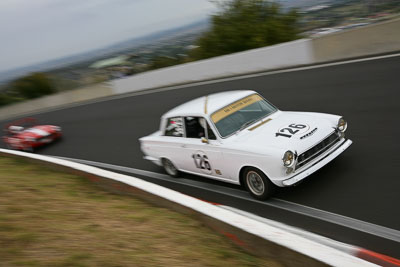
49 218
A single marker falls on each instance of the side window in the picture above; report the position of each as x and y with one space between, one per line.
174 127
195 128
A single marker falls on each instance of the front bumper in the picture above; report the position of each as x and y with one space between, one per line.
333 153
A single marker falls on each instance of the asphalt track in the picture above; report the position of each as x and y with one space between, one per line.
362 183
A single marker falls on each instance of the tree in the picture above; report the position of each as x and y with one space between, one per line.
246 24
33 85
5 99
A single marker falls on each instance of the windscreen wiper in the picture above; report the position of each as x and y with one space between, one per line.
244 125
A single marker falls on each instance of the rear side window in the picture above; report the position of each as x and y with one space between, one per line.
174 127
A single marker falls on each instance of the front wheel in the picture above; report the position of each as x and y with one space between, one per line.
258 184
170 168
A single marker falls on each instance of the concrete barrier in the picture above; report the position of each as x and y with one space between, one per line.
56 100
256 60
369 40
251 235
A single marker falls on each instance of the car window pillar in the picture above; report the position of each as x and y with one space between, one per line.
184 126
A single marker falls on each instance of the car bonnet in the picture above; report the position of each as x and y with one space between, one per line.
287 131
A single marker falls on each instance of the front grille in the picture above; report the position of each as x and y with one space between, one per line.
318 149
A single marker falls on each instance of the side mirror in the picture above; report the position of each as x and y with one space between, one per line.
204 140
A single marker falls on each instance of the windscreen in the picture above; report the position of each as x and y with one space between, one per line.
242 113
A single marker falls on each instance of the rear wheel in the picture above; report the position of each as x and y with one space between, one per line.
170 168
258 184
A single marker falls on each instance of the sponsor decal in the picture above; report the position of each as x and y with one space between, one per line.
309 134
235 106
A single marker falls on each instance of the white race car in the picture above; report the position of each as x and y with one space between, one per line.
239 137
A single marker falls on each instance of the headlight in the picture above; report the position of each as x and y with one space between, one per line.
342 125
288 159
56 128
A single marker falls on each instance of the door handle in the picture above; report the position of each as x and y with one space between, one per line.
183 146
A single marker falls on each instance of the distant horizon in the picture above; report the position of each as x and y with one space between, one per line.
43 30
39 64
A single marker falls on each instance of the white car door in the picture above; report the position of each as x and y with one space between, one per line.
170 145
200 150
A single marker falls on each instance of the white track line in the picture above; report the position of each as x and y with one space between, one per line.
366 227
350 249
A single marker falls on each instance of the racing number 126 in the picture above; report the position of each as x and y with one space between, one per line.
201 162
290 130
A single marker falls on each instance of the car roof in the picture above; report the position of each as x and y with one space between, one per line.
206 105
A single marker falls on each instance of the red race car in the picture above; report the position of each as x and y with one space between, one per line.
26 135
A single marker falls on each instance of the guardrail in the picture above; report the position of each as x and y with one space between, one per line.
253 236
369 40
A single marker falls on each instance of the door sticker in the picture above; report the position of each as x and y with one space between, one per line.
202 162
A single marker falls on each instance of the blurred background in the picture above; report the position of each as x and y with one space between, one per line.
53 46
114 47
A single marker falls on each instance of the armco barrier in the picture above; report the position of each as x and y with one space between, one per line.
370 40
253 236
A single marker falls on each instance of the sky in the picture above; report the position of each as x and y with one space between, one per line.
34 31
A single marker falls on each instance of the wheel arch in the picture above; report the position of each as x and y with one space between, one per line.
161 158
242 170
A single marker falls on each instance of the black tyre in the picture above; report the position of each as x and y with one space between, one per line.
170 168
258 184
